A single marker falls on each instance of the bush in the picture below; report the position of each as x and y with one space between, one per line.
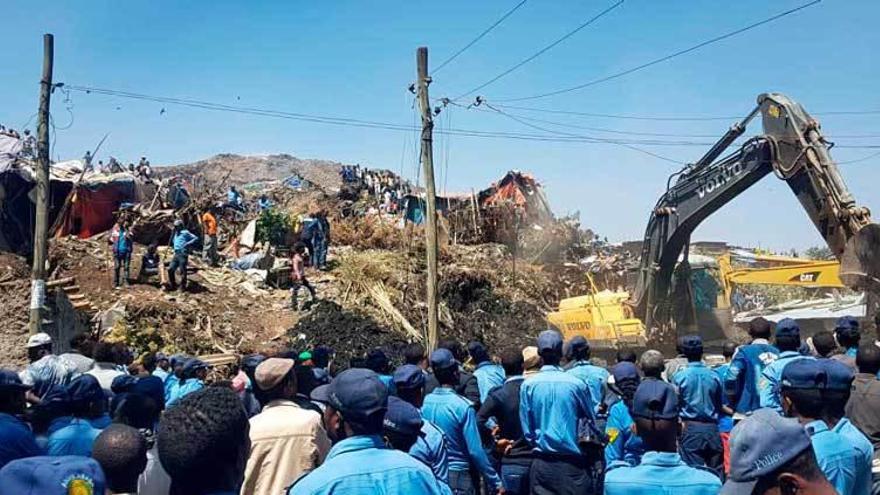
272 227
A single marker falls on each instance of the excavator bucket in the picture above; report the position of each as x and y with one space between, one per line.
860 263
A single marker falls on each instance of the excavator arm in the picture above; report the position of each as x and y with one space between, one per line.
791 147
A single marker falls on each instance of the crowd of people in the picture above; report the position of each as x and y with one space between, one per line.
386 188
795 416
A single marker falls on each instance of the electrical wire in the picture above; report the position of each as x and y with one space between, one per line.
542 50
479 37
662 59
862 159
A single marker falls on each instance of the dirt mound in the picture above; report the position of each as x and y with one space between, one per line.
239 170
14 309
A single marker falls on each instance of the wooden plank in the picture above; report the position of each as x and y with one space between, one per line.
60 282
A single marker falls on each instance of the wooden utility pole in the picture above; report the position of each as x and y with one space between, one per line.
431 200
41 221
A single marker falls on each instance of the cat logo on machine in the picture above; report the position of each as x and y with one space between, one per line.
806 278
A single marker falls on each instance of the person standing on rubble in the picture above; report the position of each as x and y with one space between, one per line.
181 240
209 226
298 276
321 240
121 243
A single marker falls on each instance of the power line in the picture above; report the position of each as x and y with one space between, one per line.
542 50
665 58
862 159
479 36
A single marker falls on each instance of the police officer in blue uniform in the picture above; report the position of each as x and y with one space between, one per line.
656 411
788 341
848 335
744 373
359 460
580 366
699 389
455 416
802 386
488 374
553 407
623 443
835 396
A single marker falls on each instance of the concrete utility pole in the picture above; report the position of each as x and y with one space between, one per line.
41 221
430 200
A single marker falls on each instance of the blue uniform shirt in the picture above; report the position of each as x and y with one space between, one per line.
75 438
744 373
362 464
431 450
551 405
189 386
725 422
699 392
660 473
489 375
172 383
101 421
388 381
837 459
623 444
865 450
16 440
455 417
182 240
595 377
852 351
768 386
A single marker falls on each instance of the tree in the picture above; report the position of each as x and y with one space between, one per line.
819 253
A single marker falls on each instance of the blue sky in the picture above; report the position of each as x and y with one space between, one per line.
355 59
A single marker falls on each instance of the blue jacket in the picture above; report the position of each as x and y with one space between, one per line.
744 373
456 418
16 440
122 244
725 422
182 240
864 448
595 377
489 375
189 386
430 448
172 383
768 386
699 393
660 473
623 444
362 464
75 438
551 405
837 459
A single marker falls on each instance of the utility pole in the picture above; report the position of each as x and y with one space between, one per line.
41 221
431 200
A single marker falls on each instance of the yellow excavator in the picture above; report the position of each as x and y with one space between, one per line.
792 148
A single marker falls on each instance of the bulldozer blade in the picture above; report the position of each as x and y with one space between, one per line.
860 263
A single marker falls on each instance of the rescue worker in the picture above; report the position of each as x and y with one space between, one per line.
661 470
209 226
623 443
773 455
455 416
700 391
509 445
181 240
788 341
835 396
580 366
122 247
802 383
725 419
234 199
488 374
864 401
194 373
743 375
430 447
553 406
846 332
45 368
359 460
16 438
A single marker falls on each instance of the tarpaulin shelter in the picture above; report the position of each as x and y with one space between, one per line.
520 190
17 210
415 208
92 204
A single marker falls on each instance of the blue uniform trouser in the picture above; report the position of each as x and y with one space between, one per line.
515 477
700 445
561 476
121 263
461 482
319 254
178 262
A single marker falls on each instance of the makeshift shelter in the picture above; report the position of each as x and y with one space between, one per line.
520 190
92 203
415 208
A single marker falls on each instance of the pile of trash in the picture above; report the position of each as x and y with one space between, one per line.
14 309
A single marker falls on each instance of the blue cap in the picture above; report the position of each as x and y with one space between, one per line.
150 386
839 376
847 327
655 399
402 417
478 352
10 379
788 328
55 401
442 359
85 389
624 371
192 365
321 376
53 476
177 359
357 393
409 376
321 394
803 374
249 363
577 344
550 341
759 445
122 383
690 343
